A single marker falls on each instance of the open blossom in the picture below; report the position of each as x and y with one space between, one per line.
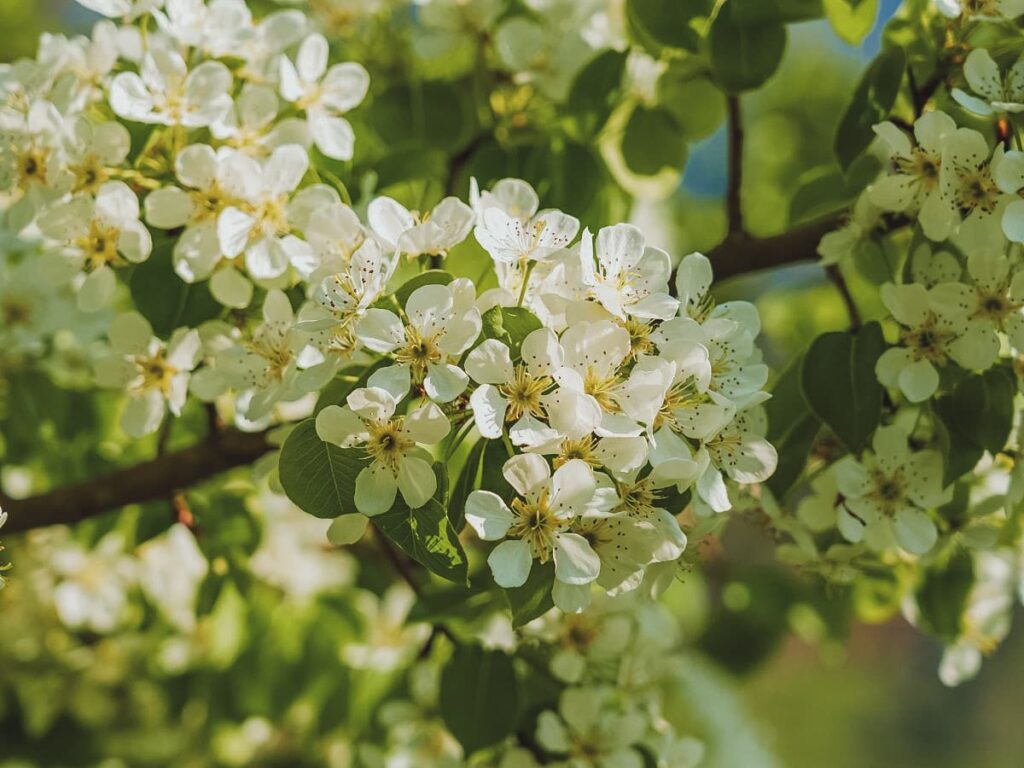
324 94
630 278
442 323
391 443
592 723
537 526
260 227
513 393
889 493
990 92
278 362
165 92
512 231
342 299
98 235
985 10
406 232
935 330
913 182
155 374
968 186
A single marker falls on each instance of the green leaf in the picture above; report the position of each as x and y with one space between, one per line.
744 57
533 599
465 484
338 389
595 91
753 12
943 594
852 20
491 477
839 385
653 141
479 696
871 102
792 427
435 113
427 536
826 189
975 417
510 325
319 477
167 301
669 23
430 277
695 102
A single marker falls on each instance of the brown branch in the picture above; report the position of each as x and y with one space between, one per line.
740 254
836 276
149 481
733 204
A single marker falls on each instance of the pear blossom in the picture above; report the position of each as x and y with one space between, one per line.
969 188
890 491
442 322
196 205
166 93
985 10
155 375
913 182
853 237
251 125
93 152
390 442
631 278
510 228
335 234
934 330
406 232
990 94
324 94
92 589
537 526
126 10
32 164
261 226
171 570
278 362
739 451
343 298
98 235
987 617
591 729
510 392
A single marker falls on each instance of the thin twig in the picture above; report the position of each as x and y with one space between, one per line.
836 276
733 204
148 481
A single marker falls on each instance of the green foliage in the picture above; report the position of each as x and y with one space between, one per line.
870 104
479 696
792 427
164 299
595 92
318 476
653 142
434 113
427 536
839 385
744 56
533 599
975 417
466 483
852 20
510 325
942 596
754 12
657 23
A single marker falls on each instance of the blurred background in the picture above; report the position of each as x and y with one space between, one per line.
873 699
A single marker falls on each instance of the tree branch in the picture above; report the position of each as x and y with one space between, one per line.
223 449
733 206
149 481
836 276
740 253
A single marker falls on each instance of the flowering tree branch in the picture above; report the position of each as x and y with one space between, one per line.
224 449
149 481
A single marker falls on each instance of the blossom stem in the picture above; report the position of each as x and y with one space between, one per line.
527 270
